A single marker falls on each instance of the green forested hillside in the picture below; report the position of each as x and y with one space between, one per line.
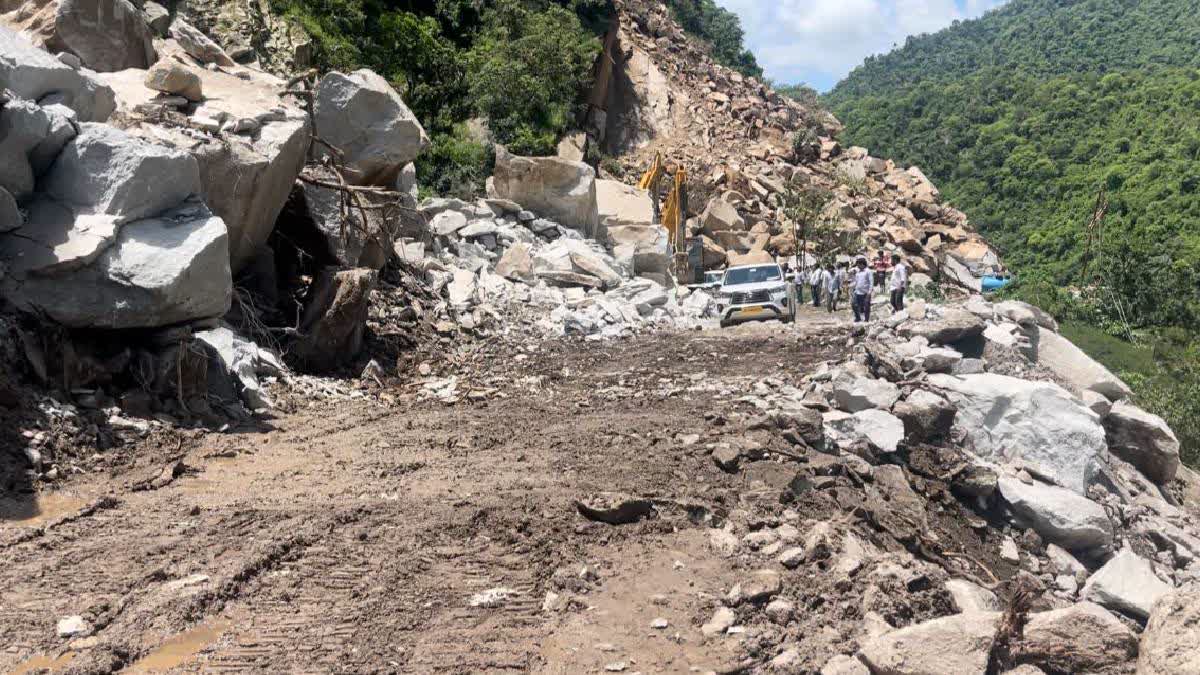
1022 117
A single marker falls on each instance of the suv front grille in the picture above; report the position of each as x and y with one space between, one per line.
750 297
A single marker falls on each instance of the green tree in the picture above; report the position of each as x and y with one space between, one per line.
528 72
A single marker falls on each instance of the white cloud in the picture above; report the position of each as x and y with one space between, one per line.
820 41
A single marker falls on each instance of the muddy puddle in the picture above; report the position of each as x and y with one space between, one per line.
44 663
37 510
179 649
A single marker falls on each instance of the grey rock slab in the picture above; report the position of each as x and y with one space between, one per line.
10 214
108 35
554 188
954 325
1126 583
939 359
62 129
1059 515
864 393
23 126
881 429
364 117
107 171
1144 440
1013 420
1170 644
758 586
198 45
33 74
1083 373
105 35
960 644
158 271
971 597
1082 638
926 415
157 18
247 182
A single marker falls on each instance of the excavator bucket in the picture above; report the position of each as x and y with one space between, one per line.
650 178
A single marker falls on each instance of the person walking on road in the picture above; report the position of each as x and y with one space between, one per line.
899 282
833 288
815 281
861 288
799 279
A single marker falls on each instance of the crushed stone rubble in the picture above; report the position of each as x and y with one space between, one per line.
969 492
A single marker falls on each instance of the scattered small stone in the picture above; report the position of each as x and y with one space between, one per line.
720 622
1009 550
659 623
492 597
71 626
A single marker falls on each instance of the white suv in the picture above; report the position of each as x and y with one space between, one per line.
754 293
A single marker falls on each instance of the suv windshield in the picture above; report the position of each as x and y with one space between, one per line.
752 275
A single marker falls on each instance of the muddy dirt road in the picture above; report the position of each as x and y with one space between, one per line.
363 536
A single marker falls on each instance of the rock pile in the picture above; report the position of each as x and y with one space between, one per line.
1082 523
745 145
495 257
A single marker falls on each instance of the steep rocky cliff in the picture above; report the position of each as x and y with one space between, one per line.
745 145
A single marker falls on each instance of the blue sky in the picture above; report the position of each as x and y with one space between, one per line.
819 41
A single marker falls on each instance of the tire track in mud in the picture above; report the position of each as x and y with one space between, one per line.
351 538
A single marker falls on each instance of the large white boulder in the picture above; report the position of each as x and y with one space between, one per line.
881 429
1144 440
1126 583
648 245
559 189
1082 638
1059 515
853 394
1171 642
106 171
362 116
619 204
1039 423
33 74
960 644
245 179
953 325
92 271
107 35
719 215
1083 373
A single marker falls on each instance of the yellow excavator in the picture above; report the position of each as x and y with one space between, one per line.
673 215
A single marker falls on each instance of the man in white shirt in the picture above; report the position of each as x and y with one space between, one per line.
833 286
860 300
815 281
898 283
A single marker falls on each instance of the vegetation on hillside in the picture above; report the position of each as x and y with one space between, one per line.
523 65
1022 118
722 29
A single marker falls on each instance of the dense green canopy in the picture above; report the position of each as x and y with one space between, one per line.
1024 116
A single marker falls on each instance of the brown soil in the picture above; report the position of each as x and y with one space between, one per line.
350 536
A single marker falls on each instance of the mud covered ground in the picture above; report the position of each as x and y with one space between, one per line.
352 536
